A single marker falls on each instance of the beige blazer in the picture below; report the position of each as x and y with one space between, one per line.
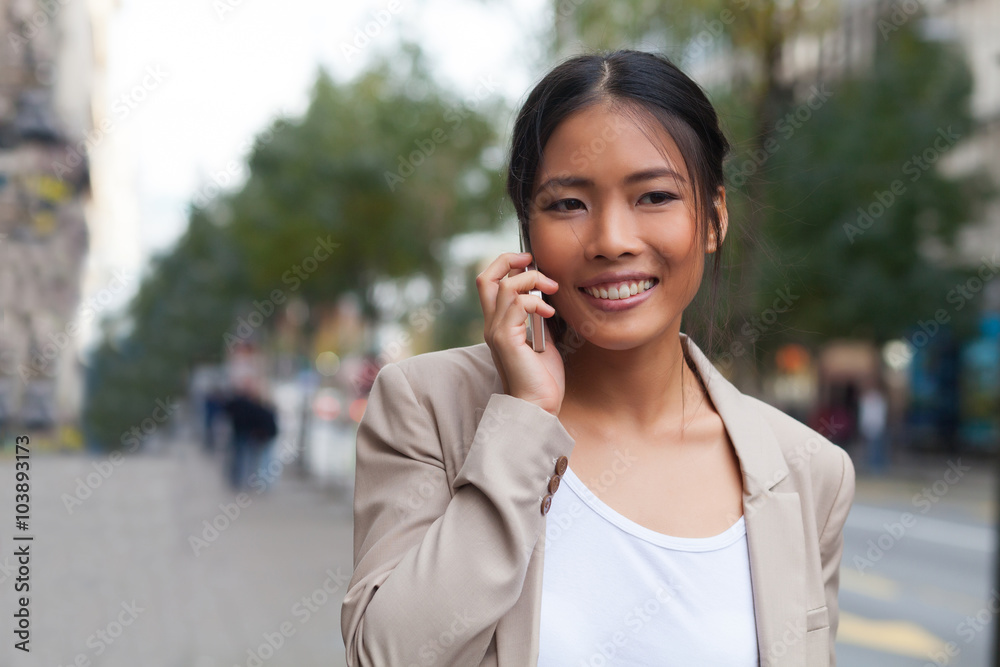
451 473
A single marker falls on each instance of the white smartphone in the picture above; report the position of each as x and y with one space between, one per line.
536 323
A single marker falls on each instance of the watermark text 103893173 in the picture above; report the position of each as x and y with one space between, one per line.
22 542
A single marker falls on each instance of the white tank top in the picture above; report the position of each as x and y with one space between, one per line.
617 593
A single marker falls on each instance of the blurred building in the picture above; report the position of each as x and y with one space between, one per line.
975 25
47 72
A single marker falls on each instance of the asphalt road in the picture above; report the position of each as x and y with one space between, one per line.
917 583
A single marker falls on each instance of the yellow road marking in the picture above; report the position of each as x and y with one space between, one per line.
868 583
888 636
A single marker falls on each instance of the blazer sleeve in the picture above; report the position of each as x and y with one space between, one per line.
832 546
438 564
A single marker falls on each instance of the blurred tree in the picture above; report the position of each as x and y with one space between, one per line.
184 305
863 219
369 184
386 168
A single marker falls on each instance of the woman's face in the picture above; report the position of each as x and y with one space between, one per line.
607 201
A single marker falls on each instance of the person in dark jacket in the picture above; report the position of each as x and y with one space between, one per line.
253 428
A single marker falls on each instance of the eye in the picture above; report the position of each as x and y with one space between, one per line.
554 206
664 197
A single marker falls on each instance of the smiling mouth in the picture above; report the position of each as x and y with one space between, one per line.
622 290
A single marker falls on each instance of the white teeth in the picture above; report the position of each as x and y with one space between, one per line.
621 291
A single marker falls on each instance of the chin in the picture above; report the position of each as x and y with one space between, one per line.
603 337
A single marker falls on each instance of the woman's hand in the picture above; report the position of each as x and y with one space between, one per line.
537 377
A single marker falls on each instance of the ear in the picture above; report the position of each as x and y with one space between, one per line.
720 206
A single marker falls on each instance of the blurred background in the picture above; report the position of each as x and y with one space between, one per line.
220 218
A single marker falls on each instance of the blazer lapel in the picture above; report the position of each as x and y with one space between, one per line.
774 533
773 521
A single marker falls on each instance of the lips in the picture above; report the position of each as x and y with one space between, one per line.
622 303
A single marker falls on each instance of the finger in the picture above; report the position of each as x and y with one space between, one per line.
514 317
502 265
487 282
509 287
530 279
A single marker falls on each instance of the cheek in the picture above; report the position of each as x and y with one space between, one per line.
678 237
684 262
553 254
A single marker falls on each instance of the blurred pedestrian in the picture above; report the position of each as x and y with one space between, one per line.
253 430
872 419
265 434
213 404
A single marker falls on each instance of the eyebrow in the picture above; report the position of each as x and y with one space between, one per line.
645 175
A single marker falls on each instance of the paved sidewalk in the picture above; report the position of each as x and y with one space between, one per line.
116 581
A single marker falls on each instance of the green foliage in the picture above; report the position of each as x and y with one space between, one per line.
388 167
862 217
185 304
383 169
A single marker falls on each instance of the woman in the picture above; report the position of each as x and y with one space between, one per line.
709 528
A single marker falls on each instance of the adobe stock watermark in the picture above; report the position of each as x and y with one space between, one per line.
623 460
229 513
901 13
41 17
431 486
7 569
101 640
894 532
363 35
122 107
915 167
303 610
220 179
419 320
786 127
580 158
426 146
757 326
967 629
427 486
798 458
711 31
635 620
958 296
87 485
431 650
40 363
224 7
557 525
266 307
793 634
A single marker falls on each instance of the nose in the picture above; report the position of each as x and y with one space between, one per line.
611 232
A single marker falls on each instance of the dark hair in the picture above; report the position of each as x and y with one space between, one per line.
645 86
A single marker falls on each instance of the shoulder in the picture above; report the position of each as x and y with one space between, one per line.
428 406
469 366
461 375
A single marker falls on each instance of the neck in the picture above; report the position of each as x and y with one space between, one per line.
645 389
